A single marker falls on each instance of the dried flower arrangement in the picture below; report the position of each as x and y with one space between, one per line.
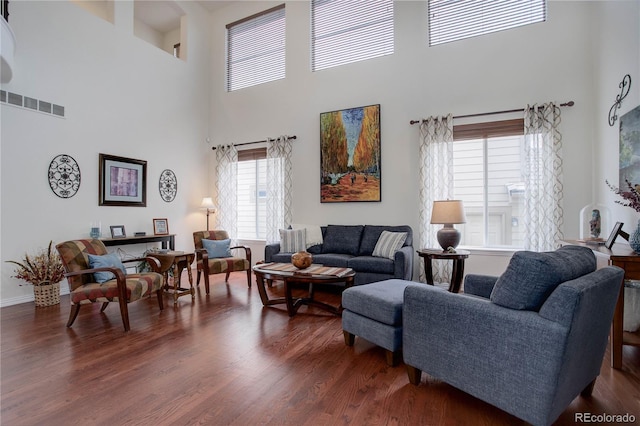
631 196
42 269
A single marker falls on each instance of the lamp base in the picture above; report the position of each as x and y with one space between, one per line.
448 236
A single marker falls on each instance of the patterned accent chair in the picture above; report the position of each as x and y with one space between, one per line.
227 265
123 289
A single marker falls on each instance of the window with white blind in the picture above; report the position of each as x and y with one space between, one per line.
256 49
451 20
488 179
343 32
252 194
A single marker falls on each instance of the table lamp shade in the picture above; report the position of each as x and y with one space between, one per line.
207 203
448 212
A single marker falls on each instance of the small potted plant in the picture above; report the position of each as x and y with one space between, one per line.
44 271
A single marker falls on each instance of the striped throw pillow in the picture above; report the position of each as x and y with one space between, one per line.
389 243
293 240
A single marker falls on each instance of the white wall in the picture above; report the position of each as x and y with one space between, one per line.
122 97
616 53
551 61
148 34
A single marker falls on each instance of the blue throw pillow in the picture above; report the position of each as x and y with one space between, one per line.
217 248
105 261
532 276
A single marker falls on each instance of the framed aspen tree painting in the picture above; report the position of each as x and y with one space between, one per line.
350 155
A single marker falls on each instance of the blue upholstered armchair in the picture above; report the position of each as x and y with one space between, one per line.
527 342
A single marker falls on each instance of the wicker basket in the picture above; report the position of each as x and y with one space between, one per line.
47 295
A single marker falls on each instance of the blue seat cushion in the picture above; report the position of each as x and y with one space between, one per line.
281 257
531 276
378 265
381 301
333 259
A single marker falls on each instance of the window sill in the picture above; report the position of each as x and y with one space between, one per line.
250 241
491 251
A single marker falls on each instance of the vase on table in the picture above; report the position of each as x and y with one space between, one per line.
634 239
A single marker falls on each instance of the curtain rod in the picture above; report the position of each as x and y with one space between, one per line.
568 104
251 143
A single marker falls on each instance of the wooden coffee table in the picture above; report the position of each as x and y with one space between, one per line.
289 275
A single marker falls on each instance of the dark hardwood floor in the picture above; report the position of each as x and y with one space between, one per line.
226 359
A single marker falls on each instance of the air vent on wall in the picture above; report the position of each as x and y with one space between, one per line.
15 99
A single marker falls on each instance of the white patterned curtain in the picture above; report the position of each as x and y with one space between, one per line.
436 183
543 177
227 189
278 186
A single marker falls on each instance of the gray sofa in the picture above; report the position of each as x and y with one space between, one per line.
527 342
352 246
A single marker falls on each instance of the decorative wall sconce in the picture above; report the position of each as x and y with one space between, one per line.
64 176
624 86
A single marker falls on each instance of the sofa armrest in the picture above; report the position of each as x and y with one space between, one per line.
479 285
270 250
403 263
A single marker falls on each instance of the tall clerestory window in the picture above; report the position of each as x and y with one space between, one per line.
343 32
451 20
256 49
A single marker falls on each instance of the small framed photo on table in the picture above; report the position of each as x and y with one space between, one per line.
117 231
617 230
160 227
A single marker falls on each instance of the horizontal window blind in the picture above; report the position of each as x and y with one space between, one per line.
343 32
256 49
491 129
451 20
252 154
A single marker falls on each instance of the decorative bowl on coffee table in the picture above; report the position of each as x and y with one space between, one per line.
301 259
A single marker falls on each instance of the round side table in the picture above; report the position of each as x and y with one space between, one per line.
458 265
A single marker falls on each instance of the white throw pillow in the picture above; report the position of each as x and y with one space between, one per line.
293 240
389 243
314 233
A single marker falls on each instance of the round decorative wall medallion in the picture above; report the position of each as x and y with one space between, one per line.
64 176
168 185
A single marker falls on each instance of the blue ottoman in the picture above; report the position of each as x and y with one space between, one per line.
374 312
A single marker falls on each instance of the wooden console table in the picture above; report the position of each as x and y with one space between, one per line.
622 256
164 239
